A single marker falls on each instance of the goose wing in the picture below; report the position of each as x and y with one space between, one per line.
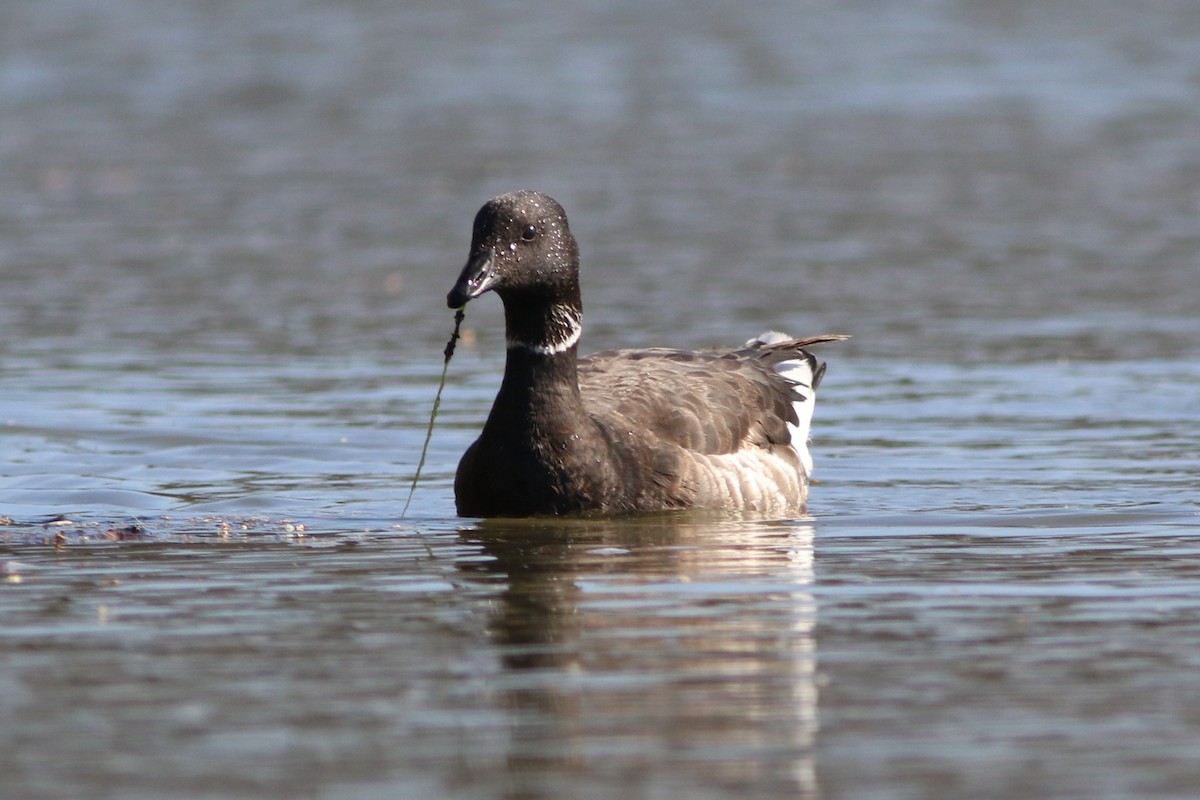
709 403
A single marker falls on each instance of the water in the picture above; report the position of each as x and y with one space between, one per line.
225 237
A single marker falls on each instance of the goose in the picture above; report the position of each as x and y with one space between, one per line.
622 431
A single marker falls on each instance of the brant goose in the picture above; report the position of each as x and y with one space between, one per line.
627 430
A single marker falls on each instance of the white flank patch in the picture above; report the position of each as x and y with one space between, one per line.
766 338
800 373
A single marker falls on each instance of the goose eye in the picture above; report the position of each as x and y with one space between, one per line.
529 233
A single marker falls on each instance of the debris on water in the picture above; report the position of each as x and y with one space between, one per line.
609 551
62 532
124 532
12 571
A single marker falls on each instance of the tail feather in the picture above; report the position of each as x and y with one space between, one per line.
803 371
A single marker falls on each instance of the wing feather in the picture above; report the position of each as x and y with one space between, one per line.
703 402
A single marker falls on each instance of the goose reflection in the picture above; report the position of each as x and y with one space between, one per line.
669 651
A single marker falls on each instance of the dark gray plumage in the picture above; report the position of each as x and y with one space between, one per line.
628 430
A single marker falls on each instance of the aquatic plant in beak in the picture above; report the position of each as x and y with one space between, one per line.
447 354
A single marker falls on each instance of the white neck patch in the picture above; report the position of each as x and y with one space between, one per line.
562 334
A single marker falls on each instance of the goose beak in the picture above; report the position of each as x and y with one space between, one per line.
478 276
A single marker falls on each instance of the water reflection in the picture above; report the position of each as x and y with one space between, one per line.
628 645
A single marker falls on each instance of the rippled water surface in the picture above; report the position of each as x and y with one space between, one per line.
225 238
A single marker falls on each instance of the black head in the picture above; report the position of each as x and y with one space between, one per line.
522 248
